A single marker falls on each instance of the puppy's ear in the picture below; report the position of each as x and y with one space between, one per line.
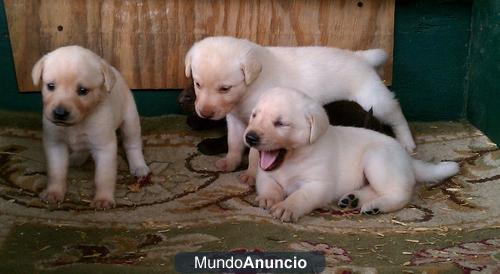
251 67
36 73
187 63
318 122
109 75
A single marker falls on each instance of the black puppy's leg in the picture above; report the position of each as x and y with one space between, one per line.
213 146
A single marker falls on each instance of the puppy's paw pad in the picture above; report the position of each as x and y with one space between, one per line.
349 200
225 165
374 211
52 197
140 171
103 203
247 179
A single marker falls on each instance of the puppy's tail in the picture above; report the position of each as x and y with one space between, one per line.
433 173
374 57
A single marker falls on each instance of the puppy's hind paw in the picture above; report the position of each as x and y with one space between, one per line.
374 211
52 196
349 200
408 144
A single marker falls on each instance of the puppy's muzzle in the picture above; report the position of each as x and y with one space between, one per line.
206 114
60 114
252 139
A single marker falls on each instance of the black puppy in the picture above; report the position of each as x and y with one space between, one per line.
340 113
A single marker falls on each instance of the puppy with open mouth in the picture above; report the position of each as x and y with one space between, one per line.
230 75
305 163
84 101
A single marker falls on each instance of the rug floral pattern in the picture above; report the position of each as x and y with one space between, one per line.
187 205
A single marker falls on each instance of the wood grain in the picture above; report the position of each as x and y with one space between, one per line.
147 40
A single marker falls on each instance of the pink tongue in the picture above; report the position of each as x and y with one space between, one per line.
267 158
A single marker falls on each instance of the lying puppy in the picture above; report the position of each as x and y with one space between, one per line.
340 113
306 164
231 74
84 101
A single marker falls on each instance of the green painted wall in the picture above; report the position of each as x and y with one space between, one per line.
484 73
430 52
431 47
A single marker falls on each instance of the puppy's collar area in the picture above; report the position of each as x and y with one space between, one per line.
272 159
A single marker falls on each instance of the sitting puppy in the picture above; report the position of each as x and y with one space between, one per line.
84 101
231 74
306 164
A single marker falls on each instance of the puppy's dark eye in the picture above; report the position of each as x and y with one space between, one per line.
197 84
254 114
278 123
51 86
82 91
225 89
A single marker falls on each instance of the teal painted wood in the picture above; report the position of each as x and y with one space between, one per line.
431 45
483 99
430 53
10 98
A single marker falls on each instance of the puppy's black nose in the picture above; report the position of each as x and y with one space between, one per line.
60 113
252 138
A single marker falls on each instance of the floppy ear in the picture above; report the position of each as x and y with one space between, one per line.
109 75
318 122
251 67
187 63
36 73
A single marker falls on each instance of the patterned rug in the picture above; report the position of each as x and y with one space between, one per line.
189 206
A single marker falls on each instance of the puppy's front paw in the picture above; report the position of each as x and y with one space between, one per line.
349 200
266 202
52 196
140 171
285 212
103 203
226 164
247 178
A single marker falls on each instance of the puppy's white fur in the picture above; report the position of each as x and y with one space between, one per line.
90 127
231 74
326 163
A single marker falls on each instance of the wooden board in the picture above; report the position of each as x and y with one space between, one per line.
147 40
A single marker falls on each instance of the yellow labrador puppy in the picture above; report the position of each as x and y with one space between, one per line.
84 101
305 163
231 74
